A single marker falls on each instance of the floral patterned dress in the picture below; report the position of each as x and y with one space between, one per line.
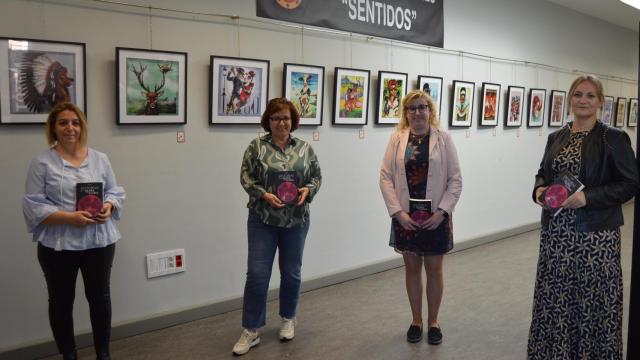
421 242
577 304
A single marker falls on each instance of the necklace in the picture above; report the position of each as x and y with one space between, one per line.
414 137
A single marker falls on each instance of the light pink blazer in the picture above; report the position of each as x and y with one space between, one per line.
444 183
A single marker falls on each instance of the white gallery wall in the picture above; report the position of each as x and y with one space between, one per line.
188 195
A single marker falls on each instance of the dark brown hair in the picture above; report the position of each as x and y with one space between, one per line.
276 105
50 127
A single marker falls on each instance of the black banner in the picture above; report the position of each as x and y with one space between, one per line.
416 21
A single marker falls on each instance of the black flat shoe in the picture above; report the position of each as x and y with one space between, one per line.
414 334
434 336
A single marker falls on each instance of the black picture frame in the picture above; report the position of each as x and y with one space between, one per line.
632 113
489 110
461 109
621 112
514 106
389 109
432 85
309 102
351 96
607 110
537 106
24 65
557 108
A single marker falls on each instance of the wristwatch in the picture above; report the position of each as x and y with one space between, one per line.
444 213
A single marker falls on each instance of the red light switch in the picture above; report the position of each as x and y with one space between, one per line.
178 261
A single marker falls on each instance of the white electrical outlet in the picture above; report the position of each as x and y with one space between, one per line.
165 263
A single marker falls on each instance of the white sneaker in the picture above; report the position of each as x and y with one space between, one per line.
287 329
248 339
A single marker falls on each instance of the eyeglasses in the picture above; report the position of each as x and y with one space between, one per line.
422 108
277 119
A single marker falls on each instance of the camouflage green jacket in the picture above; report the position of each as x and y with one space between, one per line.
263 157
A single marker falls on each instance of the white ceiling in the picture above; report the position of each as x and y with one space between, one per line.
613 11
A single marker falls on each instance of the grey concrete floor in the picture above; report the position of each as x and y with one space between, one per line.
485 315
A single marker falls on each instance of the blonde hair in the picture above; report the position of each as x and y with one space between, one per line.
592 79
414 95
50 127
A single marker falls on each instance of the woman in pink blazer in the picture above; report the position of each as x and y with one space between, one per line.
421 163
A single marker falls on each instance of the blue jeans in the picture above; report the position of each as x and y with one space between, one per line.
264 239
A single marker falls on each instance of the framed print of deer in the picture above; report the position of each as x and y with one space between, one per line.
151 86
36 75
238 90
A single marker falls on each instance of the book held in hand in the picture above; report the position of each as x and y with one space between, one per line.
420 210
563 186
285 186
89 197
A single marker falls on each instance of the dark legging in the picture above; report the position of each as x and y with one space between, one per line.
61 270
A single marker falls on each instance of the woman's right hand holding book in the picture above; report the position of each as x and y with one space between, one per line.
273 200
406 221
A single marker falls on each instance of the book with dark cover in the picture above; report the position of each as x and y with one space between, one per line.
284 185
420 210
563 186
89 197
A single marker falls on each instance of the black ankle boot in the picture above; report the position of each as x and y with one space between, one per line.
71 355
103 356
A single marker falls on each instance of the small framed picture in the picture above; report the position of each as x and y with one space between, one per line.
632 117
432 85
238 90
621 108
556 110
151 86
462 95
515 104
304 86
490 104
350 96
607 110
537 103
36 75
392 87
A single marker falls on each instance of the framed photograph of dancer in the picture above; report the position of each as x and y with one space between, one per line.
36 75
621 107
238 90
432 85
489 111
350 96
514 107
392 87
151 87
462 95
537 103
557 108
632 117
304 86
607 110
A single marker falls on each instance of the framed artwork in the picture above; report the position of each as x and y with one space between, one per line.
490 104
432 85
537 103
151 86
461 103
36 75
304 86
515 105
392 87
351 96
238 90
632 117
558 101
621 106
607 110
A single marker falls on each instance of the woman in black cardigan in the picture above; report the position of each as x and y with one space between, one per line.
577 305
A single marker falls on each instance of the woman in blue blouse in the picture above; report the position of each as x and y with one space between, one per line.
70 240
278 217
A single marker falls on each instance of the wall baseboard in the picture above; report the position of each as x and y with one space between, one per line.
164 320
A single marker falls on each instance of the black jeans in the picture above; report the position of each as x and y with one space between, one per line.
61 270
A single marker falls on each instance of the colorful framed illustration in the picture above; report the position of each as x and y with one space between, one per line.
515 104
304 86
537 103
351 96
238 90
151 87
36 75
392 88
462 95
621 107
558 101
432 85
632 117
607 110
490 104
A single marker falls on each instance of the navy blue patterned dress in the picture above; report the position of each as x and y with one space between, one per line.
422 242
577 304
